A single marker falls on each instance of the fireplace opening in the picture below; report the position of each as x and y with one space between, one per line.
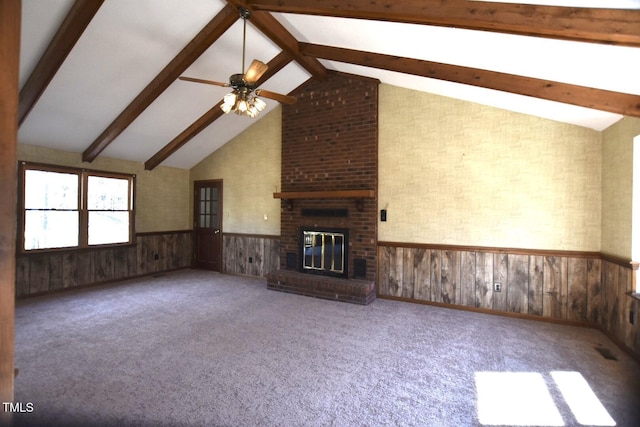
324 251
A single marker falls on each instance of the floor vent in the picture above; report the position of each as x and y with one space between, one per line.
606 353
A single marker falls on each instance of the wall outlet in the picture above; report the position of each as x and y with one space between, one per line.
497 287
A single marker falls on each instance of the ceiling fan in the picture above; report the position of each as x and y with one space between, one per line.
243 99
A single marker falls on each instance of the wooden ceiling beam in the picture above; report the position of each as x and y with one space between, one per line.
271 28
275 65
74 24
196 47
614 102
610 26
185 136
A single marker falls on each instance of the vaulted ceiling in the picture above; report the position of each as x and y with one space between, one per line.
100 77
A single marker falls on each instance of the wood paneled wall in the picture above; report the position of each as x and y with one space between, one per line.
575 287
252 255
152 253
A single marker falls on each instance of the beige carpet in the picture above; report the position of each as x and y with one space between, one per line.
196 348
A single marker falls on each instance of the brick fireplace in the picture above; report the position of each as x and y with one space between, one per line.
329 170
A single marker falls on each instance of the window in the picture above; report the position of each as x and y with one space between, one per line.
108 210
73 208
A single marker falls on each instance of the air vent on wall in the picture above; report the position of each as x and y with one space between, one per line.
292 260
360 267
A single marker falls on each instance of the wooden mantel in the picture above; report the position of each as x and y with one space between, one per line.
328 194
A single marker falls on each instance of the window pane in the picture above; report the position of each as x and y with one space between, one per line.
50 190
108 193
108 227
50 229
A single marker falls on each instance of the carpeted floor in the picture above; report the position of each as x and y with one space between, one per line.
196 348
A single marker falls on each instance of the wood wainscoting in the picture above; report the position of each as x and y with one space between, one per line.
250 254
38 273
572 287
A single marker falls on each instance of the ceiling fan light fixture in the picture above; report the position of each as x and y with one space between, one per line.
252 112
255 106
242 104
229 102
243 99
242 107
259 103
226 108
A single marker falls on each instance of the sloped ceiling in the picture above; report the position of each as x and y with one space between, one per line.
100 77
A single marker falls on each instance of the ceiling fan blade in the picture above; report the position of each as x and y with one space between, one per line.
255 71
284 99
209 82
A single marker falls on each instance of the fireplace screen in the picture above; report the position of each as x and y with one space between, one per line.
323 252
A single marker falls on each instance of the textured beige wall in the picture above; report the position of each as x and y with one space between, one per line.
162 195
454 172
249 166
617 186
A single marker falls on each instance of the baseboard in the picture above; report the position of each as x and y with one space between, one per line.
492 312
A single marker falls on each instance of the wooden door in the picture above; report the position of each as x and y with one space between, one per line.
207 212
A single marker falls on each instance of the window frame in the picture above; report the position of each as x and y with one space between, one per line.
83 211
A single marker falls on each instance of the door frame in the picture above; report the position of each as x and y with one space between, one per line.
196 185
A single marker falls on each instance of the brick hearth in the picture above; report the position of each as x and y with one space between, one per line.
333 288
